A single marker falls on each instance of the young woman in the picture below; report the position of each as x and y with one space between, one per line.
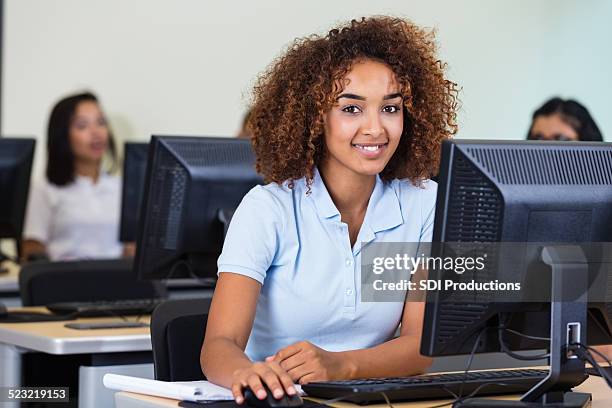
74 212
560 119
347 129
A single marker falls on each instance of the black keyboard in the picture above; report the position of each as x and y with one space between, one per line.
428 386
105 308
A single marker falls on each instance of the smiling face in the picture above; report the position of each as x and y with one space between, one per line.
363 128
89 136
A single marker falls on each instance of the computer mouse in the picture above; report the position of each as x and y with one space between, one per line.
271 402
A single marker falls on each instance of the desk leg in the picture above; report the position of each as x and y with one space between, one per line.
10 370
93 394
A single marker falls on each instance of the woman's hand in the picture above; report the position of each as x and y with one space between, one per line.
305 362
268 372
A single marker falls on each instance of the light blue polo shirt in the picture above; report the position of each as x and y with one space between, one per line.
296 246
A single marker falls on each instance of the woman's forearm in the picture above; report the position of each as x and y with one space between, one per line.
31 247
220 358
394 358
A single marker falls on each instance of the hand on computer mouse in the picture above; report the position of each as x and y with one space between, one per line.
269 373
286 401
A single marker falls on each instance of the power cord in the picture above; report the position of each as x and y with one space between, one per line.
332 400
506 350
504 347
527 336
501 328
459 397
471 359
387 400
470 395
584 353
600 354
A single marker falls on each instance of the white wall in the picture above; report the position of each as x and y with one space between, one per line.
185 67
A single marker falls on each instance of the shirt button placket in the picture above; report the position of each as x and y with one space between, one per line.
347 273
350 279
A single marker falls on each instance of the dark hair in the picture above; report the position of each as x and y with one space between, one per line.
574 114
60 160
288 136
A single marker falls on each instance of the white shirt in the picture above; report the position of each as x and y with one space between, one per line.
77 221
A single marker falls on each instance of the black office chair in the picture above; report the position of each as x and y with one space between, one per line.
42 282
177 333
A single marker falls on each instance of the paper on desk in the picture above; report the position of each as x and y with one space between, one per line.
179 390
184 391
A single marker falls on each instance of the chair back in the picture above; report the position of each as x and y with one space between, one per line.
177 333
44 282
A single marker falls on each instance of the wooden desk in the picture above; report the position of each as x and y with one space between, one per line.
53 338
602 398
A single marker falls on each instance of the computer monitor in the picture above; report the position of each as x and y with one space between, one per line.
193 185
556 193
134 169
16 156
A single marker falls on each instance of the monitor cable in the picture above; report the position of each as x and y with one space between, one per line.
503 327
585 353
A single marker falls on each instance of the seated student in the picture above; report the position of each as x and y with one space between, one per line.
347 128
567 120
74 212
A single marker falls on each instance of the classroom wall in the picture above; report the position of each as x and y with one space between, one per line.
186 67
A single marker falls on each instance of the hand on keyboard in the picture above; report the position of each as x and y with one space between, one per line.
306 363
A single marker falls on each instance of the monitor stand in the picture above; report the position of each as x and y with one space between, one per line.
568 316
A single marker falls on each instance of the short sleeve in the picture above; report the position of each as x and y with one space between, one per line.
38 215
253 236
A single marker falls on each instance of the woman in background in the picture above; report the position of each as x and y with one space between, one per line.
74 212
566 120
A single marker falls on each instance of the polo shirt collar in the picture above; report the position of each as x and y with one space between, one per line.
384 211
321 198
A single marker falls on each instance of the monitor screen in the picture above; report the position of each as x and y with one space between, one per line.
16 156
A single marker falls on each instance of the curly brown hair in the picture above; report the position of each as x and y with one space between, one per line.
292 96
